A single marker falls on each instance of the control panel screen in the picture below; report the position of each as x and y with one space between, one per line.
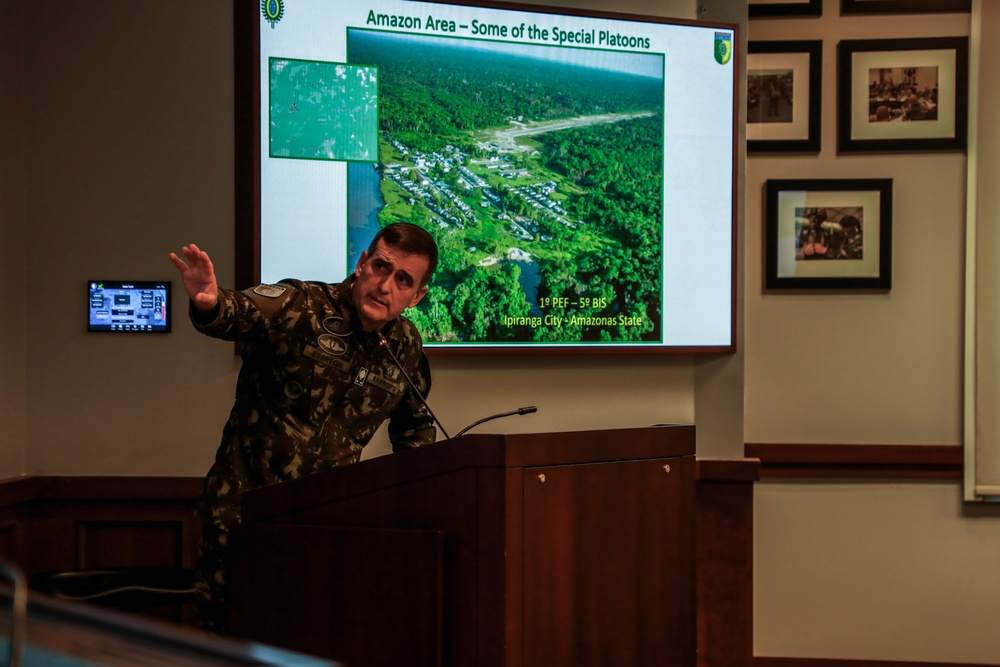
135 306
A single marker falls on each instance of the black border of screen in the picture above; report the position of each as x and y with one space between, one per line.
247 163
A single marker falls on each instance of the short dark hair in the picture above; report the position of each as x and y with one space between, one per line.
412 239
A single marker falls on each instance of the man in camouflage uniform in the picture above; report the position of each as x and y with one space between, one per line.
315 383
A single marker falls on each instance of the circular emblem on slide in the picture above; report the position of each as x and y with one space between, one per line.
331 344
272 10
336 326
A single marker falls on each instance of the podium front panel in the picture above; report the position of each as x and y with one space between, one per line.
366 597
593 566
605 571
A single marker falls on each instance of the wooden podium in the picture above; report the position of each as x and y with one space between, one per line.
529 550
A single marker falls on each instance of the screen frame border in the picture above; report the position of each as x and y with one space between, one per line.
247 168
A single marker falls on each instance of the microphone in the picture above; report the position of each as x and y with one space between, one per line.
382 342
520 411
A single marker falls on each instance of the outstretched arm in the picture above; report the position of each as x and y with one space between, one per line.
199 277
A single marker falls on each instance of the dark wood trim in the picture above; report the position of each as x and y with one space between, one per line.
728 470
724 552
20 490
120 488
857 461
829 662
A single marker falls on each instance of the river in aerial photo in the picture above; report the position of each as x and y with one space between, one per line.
530 279
364 201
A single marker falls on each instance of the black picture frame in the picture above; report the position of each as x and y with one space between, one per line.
800 99
847 223
848 7
805 8
943 124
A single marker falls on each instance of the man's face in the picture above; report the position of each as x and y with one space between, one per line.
388 282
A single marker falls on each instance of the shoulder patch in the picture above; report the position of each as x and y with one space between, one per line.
336 326
270 291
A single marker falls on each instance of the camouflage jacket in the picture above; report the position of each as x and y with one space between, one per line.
312 390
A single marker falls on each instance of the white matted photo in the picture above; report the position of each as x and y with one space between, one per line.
906 94
828 234
783 96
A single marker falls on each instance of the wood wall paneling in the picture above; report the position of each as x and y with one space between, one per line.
52 524
7 536
102 544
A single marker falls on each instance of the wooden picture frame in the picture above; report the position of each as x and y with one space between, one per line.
828 234
787 8
848 7
902 94
784 88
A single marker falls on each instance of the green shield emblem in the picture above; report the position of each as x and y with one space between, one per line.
723 47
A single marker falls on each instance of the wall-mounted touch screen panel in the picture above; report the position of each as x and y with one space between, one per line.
129 305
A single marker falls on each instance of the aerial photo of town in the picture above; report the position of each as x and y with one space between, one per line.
539 170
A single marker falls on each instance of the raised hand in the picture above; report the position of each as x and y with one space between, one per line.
199 277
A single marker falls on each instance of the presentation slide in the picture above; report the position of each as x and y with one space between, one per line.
576 171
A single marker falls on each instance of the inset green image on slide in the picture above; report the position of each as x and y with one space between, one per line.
323 111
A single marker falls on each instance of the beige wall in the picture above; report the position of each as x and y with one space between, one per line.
869 368
900 571
856 569
129 139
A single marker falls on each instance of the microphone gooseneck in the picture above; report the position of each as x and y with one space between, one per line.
382 342
520 411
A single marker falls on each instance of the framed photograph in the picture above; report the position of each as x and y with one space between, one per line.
904 6
902 94
783 96
828 234
783 8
